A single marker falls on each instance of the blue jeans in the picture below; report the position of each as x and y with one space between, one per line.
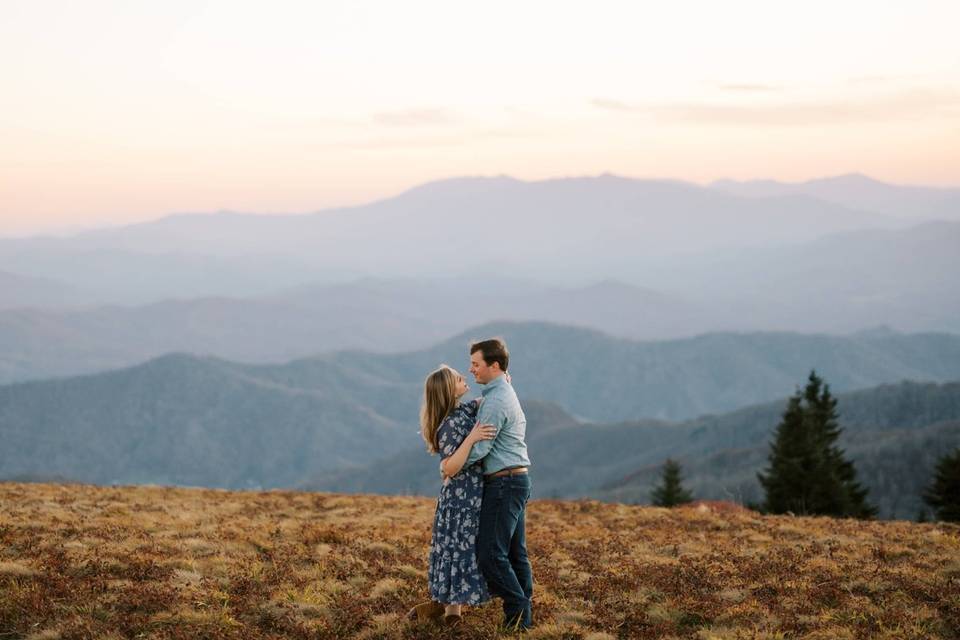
502 545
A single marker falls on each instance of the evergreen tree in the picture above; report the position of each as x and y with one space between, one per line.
792 459
838 493
808 473
943 494
670 493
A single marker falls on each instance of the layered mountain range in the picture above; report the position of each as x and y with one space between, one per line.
560 232
189 420
240 350
648 260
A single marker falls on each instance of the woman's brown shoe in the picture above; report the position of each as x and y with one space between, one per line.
429 610
452 620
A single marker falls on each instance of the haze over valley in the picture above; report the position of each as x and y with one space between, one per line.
180 351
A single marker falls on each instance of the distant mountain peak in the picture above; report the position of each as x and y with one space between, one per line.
879 331
730 182
855 175
460 185
611 284
176 361
850 179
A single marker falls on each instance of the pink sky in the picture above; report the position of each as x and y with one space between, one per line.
116 112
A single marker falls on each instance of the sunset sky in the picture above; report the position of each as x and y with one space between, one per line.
115 112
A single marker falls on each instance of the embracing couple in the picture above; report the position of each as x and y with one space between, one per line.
478 547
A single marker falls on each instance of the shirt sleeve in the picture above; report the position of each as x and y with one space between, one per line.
491 412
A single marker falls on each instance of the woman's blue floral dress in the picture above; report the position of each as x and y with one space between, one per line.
453 573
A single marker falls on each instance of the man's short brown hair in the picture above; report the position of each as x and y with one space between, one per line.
493 350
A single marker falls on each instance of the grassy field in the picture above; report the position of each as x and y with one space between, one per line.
149 562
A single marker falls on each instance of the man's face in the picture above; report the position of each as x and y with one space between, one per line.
482 372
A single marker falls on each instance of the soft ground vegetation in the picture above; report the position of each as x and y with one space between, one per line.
148 562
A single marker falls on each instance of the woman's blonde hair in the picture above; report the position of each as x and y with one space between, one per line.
439 399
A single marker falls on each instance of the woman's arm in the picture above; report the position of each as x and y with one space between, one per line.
451 466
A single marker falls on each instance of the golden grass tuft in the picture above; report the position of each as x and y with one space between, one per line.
199 547
16 570
720 633
663 613
552 631
573 617
732 595
385 587
410 572
951 569
186 578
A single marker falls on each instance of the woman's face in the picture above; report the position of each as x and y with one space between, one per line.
462 387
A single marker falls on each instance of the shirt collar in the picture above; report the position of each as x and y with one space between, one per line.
497 382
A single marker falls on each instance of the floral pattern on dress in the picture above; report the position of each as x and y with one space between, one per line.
453 573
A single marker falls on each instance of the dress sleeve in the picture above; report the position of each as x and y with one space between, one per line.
472 408
448 437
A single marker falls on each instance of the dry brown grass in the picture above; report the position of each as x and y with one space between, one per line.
150 562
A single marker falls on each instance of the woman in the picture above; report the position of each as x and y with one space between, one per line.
448 428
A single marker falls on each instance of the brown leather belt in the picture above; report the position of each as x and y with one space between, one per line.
507 472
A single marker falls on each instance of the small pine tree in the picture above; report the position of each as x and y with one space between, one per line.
670 492
792 456
808 473
943 494
839 494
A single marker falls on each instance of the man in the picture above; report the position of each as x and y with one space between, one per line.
501 540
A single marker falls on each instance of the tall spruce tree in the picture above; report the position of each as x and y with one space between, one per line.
670 492
808 473
792 457
943 494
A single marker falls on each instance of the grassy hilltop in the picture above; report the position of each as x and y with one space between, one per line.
80 561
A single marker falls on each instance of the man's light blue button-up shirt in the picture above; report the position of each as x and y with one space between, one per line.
501 408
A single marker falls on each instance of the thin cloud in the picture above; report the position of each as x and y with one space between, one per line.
749 88
386 143
415 117
508 134
905 105
915 78
862 80
616 105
